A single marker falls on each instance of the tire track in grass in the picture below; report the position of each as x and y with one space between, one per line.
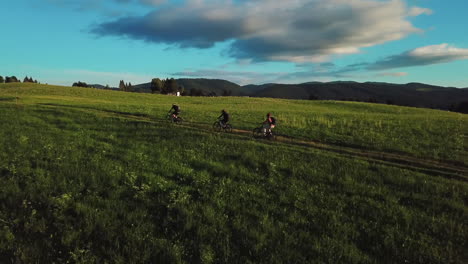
427 166
432 167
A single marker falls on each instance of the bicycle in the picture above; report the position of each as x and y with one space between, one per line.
218 127
258 133
174 118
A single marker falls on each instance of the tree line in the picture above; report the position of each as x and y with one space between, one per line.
13 79
126 87
167 86
162 86
170 86
80 84
461 107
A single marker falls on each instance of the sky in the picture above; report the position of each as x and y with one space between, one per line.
243 41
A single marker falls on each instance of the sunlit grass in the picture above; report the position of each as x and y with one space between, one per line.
81 184
419 132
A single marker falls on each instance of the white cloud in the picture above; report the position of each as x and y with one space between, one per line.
239 77
392 74
153 2
270 30
416 11
427 55
421 56
443 50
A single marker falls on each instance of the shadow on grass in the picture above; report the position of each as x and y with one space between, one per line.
4 99
338 147
99 109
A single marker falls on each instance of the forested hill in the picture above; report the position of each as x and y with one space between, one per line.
206 87
411 94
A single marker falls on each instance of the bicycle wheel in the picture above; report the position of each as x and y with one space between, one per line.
257 132
217 126
270 136
228 128
178 119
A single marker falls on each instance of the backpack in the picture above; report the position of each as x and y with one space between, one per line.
273 120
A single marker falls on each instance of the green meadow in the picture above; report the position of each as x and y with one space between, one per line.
98 176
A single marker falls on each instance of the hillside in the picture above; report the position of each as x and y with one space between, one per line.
208 86
411 94
101 176
219 87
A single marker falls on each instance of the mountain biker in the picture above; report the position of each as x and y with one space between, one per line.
223 122
176 111
268 124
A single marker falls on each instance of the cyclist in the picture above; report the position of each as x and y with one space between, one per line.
225 118
268 124
176 111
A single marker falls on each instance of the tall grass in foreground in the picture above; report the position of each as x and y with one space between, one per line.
85 188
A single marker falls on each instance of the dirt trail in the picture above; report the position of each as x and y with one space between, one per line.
428 166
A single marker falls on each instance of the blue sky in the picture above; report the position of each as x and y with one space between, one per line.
256 41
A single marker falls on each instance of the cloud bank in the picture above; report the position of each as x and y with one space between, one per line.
113 8
427 55
299 31
421 56
239 77
392 74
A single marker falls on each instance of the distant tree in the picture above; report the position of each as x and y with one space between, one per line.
313 97
181 89
122 86
462 107
196 92
80 84
389 102
170 86
1 79
28 79
129 87
164 86
11 79
212 94
156 85
226 93
174 85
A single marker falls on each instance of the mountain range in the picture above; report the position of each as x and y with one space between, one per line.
410 94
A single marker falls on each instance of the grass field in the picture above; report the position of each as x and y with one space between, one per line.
93 176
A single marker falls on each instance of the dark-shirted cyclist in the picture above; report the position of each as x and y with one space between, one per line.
224 118
175 111
268 124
